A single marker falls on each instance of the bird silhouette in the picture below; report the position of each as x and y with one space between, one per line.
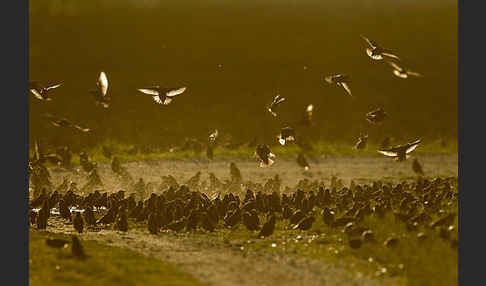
40 91
402 72
376 52
376 116
277 100
268 227
78 222
100 94
342 80
287 134
263 153
400 152
162 95
77 248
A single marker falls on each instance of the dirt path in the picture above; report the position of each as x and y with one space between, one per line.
219 263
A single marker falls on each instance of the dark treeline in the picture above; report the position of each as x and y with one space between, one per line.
234 56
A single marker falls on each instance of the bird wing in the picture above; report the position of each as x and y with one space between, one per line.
103 83
154 90
371 43
167 100
36 93
173 92
400 74
412 73
271 111
390 55
346 87
395 65
53 86
388 153
412 146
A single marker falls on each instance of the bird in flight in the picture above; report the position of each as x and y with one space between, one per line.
402 72
276 101
63 122
287 134
400 152
376 116
362 141
307 117
340 80
264 154
376 52
40 91
101 92
162 95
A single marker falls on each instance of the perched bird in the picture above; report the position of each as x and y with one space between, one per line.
376 52
100 94
302 161
305 224
268 227
162 95
76 248
264 154
362 141
250 220
402 72
273 105
376 116
78 222
56 242
287 134
121 223
40 91
340 80
417 167
400 152
63 122
89 216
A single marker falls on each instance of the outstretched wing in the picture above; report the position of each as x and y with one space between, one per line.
412 146
53 86
103 83
390 55
173 92
153 90
81 128
36 93
346 87
412 73
395 65
371 43
388 153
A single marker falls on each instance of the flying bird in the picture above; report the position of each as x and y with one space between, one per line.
340 80
376 116
400 152
162 95
276 101
287 134
362 141
101 92
307 118
63 122
376 52
264 154
402 72
40 91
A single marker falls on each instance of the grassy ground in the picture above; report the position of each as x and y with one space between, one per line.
105 266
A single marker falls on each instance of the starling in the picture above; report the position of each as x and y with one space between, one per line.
153 224
305 224
264 154
328 216
78 222
162 95
402 72
287 134
268 227
302 161
340 80
251 221
233 218
417 167
276 101
400 153
40 91
89 217
77 248
361 144
376 52
100 94
56 242
297 216
121 223
307 118
376 116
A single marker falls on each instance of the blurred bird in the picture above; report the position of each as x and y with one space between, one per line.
76 248
402 72
264 154
78 222
376 116
287 134
268 227
250 220
63 122
417 167
302 161
400 152
100 94
307 117
276 101
40 91
376 52
211 144
305 224
362 141
340 80
162 95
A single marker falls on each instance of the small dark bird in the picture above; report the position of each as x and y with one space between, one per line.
63 122
376 116
328 216
56 242
43 215
89 216
362 141
276 101
162 95
40 91
100 94
251 221
110 216
264 154
342 80
402 72
302 161
399 153
307 117
121 222
296 217
376 52
64 210
78 222
153 224
305 224
76 248
287 134
268 227
417 167
211 144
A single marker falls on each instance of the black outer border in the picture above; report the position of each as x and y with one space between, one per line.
15 66
14 116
